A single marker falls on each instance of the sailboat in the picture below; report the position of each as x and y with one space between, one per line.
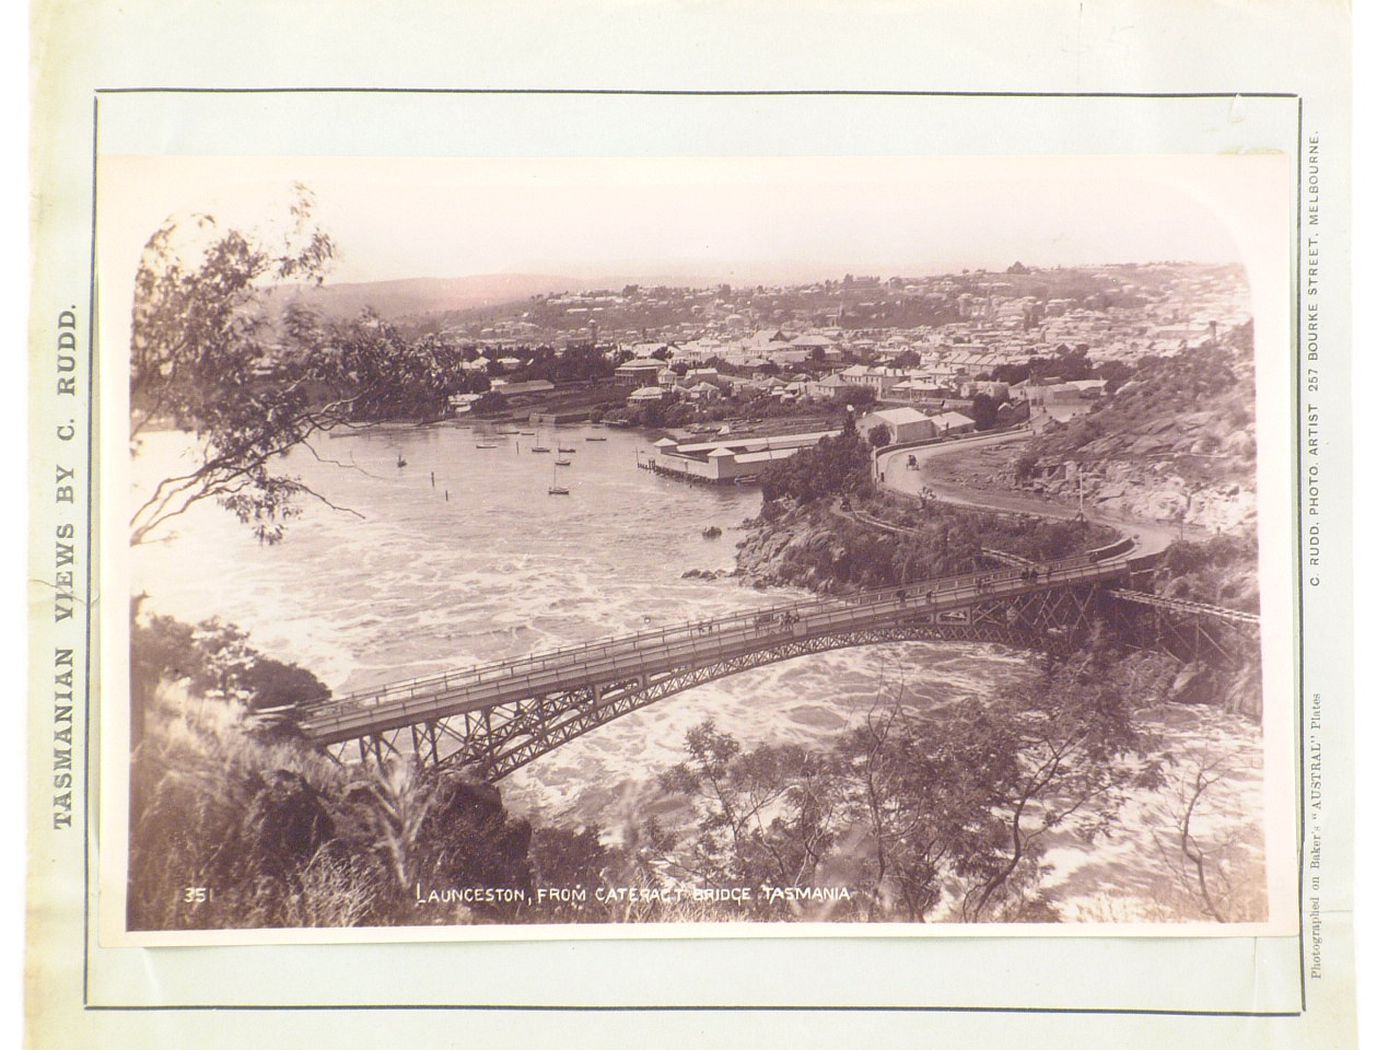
595 439
561 448
556 489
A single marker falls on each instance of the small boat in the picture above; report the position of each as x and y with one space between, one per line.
402 462
488 444
507 432
561 448
540 448
594 439
562 462
556 489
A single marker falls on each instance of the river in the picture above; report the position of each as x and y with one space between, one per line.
462 556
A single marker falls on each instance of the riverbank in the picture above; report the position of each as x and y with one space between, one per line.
818 547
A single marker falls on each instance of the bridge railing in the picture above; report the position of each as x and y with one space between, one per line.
344 719
691 635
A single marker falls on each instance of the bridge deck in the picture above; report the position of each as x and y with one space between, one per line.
678 646
1184 605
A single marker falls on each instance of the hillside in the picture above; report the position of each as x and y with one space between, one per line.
1175 442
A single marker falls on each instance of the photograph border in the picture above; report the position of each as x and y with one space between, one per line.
1297 596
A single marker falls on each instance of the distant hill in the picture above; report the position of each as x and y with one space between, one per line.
423 295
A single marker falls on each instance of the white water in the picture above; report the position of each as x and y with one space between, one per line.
462 556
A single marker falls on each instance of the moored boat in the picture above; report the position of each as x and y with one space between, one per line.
556 489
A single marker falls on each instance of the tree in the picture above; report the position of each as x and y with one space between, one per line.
879 435
1114 373
491 401
830 466
1011 374
860 396
475 383
1077 755
767 815
944 814
1217 871
926 794
204 359
984 411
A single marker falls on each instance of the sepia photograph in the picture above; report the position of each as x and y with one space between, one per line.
637 542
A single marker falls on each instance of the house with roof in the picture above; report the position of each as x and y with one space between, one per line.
645 395
520 389
641 371
704 390
877 378
919 389
830 388
946 424
904 424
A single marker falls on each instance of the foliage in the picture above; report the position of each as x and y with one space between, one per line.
279 835
491 401
984 411
475 383
209 357
1223 571
860 396
879 436
575 364
767 815
200 361
832 465
215 661
811 545
943 816
1013 374
1217 871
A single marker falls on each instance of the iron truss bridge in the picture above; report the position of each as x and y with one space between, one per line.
495 718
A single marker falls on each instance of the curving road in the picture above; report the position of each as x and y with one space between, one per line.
894 473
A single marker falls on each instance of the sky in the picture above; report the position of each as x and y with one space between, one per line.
747 220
